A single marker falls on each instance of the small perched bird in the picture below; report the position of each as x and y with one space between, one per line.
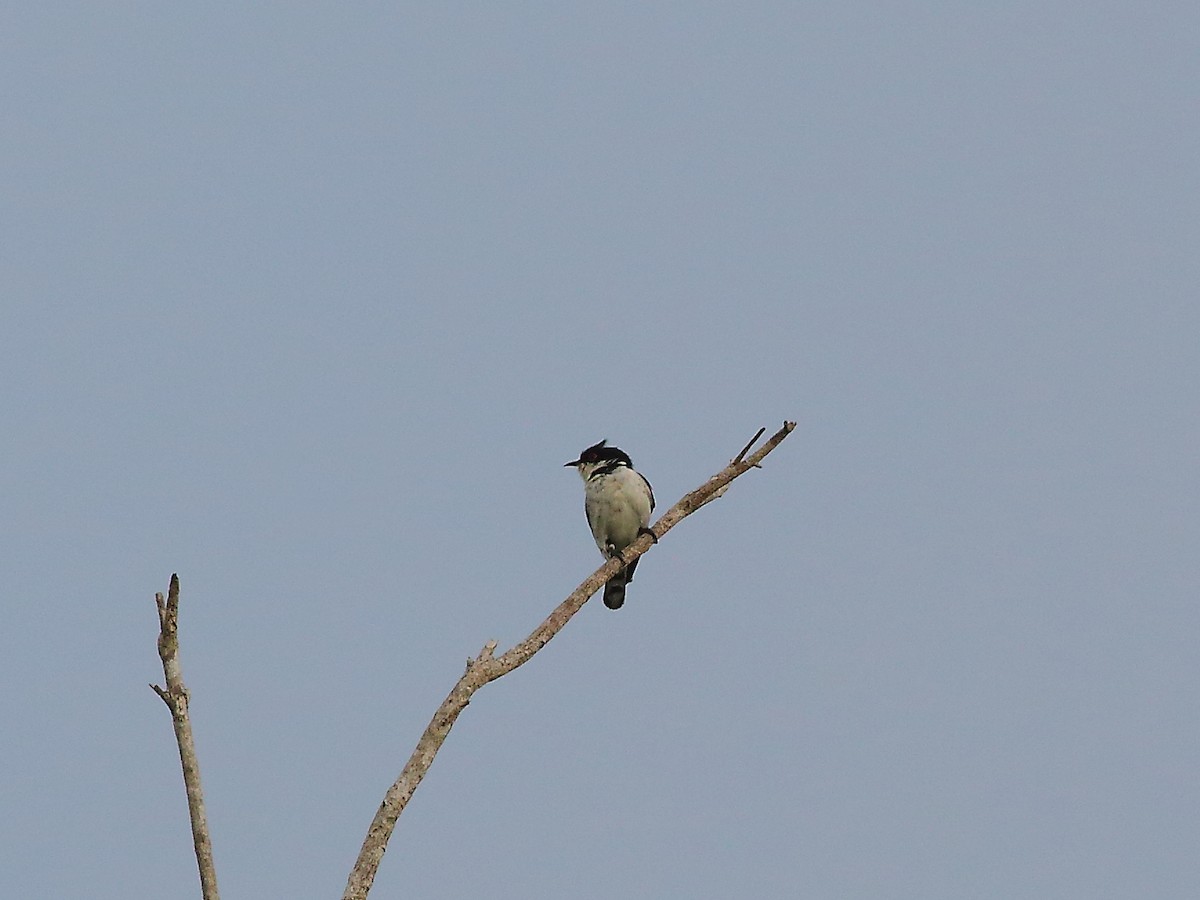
618 501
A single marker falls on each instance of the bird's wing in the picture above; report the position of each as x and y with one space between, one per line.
649 489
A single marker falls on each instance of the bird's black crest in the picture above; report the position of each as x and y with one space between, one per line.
600 453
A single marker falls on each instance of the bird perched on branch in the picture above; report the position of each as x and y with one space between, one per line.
618 501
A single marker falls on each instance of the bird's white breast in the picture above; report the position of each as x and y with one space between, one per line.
618 505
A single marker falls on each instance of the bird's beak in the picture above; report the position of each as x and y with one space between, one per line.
575 463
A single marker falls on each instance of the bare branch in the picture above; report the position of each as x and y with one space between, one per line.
175 695
486 667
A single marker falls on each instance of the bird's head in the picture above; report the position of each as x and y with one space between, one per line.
599 456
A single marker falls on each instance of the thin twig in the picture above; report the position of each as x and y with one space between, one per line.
175 695
486 668
746 449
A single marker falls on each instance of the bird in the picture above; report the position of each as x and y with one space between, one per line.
618 501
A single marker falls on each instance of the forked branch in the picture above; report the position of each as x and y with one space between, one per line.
487 667
175 695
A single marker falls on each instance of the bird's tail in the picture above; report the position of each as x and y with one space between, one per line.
614 591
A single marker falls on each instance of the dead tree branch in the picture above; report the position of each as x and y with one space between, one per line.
175 695
486 667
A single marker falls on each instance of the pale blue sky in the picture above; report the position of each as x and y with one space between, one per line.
310 302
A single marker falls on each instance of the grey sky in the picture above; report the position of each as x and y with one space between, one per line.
310 302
